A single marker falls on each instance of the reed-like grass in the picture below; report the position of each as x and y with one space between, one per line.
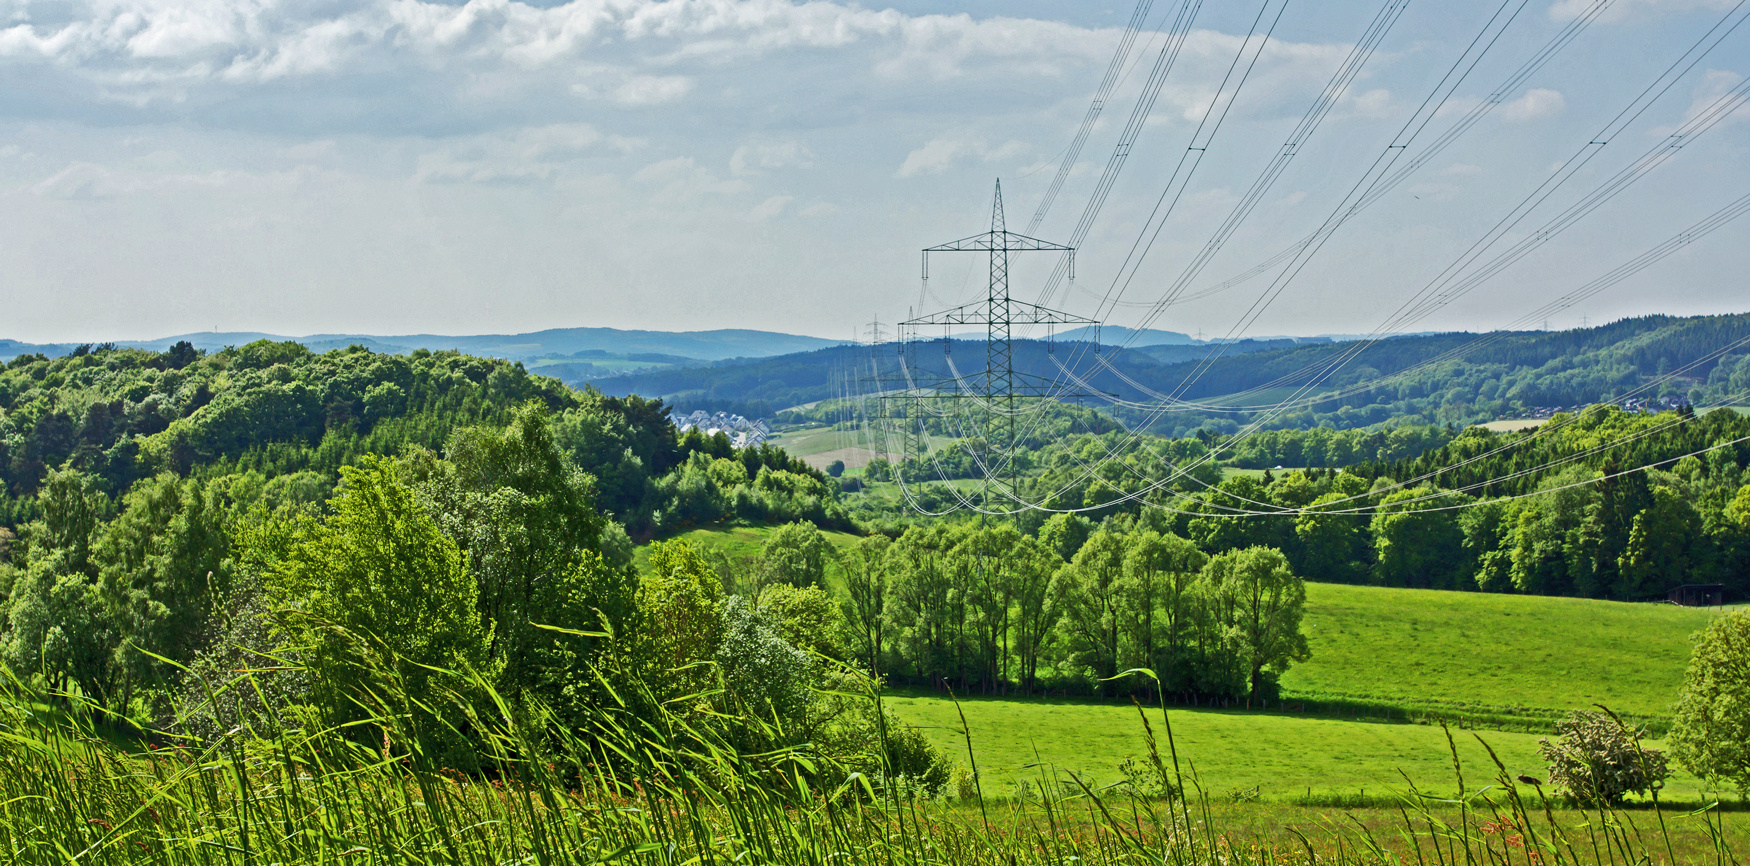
666 787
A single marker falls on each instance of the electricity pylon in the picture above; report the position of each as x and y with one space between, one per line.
999 389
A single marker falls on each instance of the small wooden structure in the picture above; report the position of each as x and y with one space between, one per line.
1698 594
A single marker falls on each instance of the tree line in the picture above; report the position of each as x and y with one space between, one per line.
985 607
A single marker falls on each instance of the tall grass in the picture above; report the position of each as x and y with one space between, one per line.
661 786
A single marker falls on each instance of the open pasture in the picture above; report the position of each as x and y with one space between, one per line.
808 441
1489 656
1283 756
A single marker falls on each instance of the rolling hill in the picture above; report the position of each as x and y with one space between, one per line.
558 344
1460 378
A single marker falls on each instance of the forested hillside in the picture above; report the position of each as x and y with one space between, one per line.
1458 378
277 420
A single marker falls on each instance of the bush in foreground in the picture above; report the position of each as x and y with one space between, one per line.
1598 759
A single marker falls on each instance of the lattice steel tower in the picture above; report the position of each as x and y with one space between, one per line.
1000 388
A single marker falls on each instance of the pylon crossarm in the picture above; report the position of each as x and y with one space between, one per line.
1011 242
1020 313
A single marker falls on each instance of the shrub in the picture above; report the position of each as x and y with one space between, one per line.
1596 758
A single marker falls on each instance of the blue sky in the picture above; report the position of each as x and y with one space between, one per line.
395 166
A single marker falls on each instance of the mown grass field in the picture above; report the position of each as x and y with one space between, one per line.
1505 665
1510 425
1284 756
806 441
1483 661
1448 652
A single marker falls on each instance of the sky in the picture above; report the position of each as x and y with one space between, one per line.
398 166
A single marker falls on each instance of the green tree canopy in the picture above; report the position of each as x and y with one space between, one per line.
1710 732
376 591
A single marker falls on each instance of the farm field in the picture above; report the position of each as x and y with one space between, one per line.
1511 425
1516 655
808 441
1284 756
1521 660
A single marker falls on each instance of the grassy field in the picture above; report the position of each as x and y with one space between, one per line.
1510 425
1484 661
806 441
1284 756
1505 664
1511 655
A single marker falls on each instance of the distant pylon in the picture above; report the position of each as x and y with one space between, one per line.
998 388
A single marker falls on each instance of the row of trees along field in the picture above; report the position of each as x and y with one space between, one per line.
143 488
1549 511
986 607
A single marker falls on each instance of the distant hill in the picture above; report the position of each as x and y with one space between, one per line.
1460 378
561 346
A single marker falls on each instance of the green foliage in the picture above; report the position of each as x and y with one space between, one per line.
525 515
1419 542
796 555
1260 603
1598 759
1660 545
1086 593
163 563
1711 733
763 674
379 599
865 601
808 618
678 624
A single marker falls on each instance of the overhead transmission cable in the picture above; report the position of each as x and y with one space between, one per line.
1101 94
1646 259
1341 79
1177 31
1698 124
1476 113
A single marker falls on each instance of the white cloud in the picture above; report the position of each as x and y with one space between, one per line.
1567 10
1535 104
531 154
1714 86
85 181
940 154
770 208
768 156
1371 103
652 89
682 179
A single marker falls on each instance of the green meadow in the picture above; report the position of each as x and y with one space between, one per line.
1491 657
1235 754
1361 715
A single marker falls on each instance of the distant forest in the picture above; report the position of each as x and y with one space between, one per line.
1458 378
